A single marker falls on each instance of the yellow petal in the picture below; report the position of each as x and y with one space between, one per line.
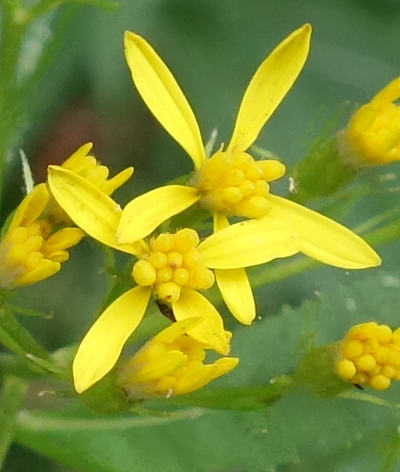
176 329
198 378
90 209
322 238
268 86
236 291
249 243
162 95
43 270
143 214
31 207
390 93
234 285
102 345
211 331
77 156
161 366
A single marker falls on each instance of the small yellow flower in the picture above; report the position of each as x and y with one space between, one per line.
174 267
230 182
171 364
31 249
373 133
369 355
87 166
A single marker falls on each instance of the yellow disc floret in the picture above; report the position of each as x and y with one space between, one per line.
236 184
369 355
171 263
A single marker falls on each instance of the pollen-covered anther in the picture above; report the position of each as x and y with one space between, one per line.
236 184
172 263
369 355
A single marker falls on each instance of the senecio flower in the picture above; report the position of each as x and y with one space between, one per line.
31 249
171 364
373 133
35 243
369 356
174 267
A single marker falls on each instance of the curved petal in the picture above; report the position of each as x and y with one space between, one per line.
161 93
77 156
322 238
31 207
176 329
102 345
143 214
236 291
390 93
268 86
90 208
43 270
211 332
249 243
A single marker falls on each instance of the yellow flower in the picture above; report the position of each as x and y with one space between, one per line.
175 266
230 182
85 165
369 355
31 249
373 133
170 364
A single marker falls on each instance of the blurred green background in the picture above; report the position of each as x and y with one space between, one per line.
213 48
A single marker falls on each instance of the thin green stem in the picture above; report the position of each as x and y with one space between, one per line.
12 395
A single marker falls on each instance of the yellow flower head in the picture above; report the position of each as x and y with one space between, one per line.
230 182
31 249
87 166
373 134
369 355
170 364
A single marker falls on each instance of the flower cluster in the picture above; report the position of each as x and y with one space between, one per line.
177 269
369 355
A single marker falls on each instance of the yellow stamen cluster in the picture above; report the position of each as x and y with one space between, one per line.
171 363
171 263
29 253
369 355
235 184
373 134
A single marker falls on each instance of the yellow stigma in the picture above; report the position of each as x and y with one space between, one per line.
373 133
235 184
369 355
171 363
172 263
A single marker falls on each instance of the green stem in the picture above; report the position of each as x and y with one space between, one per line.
12 395
16 338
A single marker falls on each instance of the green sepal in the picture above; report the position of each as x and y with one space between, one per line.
316 369
322 172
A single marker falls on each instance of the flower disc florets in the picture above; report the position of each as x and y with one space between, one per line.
370 355
233 183
171 263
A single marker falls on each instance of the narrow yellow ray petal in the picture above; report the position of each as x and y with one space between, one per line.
390 93
31 206
169 334
162 94
102 345
143 214
211 332
90 208
249 243
322 238
234 285
236 291
268 86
